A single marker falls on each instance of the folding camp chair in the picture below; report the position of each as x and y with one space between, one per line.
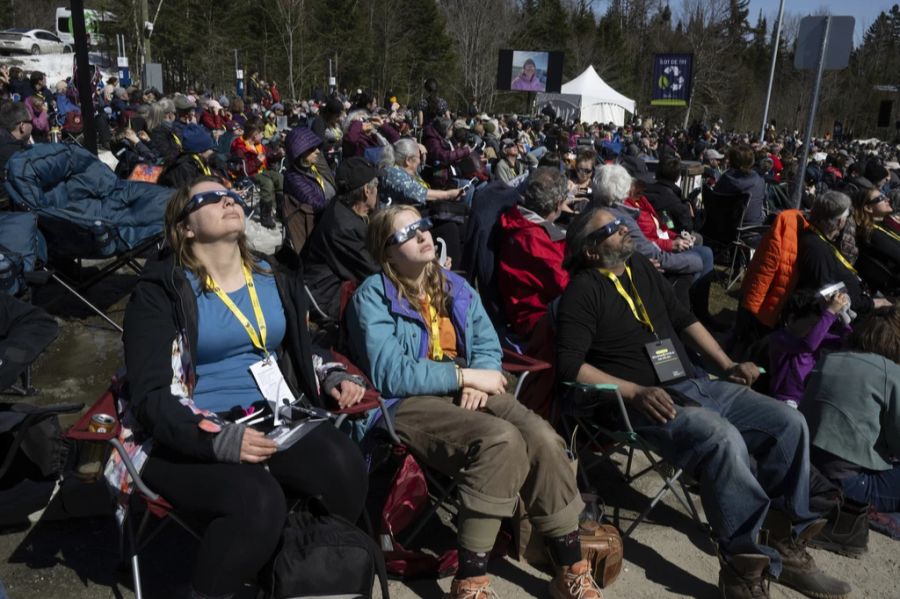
724 230
583 423
157 511
85 212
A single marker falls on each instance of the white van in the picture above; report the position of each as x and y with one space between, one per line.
93 21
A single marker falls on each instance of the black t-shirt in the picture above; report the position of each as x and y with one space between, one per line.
596 326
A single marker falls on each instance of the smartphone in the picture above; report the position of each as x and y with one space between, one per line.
470 182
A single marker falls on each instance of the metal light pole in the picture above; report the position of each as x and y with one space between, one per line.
807 138
777 42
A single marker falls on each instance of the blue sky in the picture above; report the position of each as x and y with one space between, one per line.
864 11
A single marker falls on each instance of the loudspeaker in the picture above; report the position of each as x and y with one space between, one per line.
884 113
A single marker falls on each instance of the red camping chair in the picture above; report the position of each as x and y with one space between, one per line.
153 503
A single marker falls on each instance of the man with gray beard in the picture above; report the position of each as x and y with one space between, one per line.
620 323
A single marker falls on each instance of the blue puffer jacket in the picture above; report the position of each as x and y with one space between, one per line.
389 338
69 188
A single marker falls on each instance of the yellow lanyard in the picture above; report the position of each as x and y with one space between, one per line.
319 178
434 339
258 341
201 164
889 233
834 249
636 304
422 182
177 140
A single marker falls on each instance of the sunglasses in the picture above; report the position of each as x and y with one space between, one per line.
879 198
585 171
605 232
409 231
204 198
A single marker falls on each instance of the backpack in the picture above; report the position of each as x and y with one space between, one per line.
323 555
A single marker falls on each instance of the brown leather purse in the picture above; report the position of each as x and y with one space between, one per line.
601 545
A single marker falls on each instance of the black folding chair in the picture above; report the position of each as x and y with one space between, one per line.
724 231
583 423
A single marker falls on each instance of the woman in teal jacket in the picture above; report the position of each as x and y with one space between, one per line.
423 336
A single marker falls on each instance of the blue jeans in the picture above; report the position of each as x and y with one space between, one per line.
706 257
879 489
713 439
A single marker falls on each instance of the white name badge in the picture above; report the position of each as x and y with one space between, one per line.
272 385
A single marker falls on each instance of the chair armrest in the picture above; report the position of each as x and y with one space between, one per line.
105 405
607 388
368 402
517 363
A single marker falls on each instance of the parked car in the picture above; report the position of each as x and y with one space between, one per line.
31 41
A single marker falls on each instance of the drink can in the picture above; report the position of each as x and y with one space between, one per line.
93 452
101 423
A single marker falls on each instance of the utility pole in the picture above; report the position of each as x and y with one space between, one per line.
811 122
775 44
145 35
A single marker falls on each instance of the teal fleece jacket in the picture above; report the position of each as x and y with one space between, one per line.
389 338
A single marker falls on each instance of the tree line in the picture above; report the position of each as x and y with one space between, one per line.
392 46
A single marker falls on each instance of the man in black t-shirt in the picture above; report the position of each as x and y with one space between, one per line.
620 323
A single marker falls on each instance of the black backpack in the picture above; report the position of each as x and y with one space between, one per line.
323 555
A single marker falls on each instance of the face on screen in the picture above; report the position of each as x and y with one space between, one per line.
529 71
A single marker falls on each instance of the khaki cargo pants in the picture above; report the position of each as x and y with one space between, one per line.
502 453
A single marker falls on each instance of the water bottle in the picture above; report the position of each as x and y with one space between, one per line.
103 241
9 283
55 135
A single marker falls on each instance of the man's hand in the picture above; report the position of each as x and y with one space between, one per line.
744 373
472 399
681 244
347 393
657 264
255 447
654 403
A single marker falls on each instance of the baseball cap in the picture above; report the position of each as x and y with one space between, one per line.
353 173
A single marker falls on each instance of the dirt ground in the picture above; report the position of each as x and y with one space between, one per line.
71 551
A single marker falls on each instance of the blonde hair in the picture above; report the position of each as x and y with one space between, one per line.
178 240
434 283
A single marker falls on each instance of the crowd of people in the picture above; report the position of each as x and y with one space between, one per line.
457 232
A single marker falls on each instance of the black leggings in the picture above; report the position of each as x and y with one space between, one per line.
245 504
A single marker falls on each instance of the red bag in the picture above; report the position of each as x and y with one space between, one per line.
407 498
73 123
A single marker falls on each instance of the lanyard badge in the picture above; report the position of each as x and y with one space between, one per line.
661 352
257 339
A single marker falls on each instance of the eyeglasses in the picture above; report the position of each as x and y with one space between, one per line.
198 200
584 171
604 232
409 231
879 198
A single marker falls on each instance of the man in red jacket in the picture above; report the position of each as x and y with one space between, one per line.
530 273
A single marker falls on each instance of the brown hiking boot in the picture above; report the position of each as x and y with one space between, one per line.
799 570
476 587
744 577
575 582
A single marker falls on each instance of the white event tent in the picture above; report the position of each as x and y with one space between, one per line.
592 97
